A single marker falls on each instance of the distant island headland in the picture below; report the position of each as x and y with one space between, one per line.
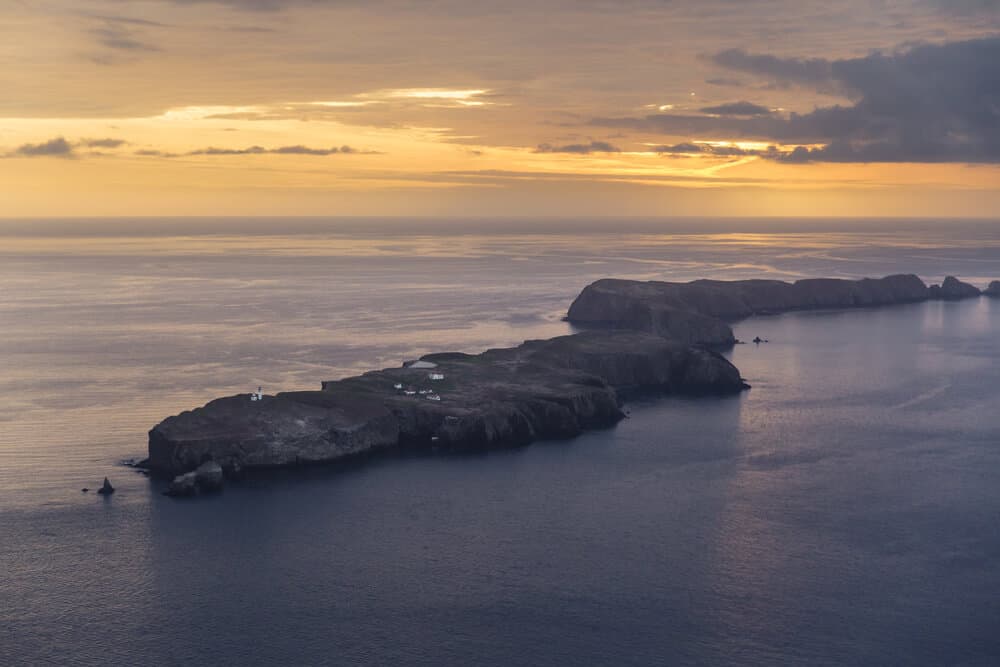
639 337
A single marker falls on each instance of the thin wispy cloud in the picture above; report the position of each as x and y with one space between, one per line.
737 109
260 150
579 149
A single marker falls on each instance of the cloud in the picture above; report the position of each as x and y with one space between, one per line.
116 36
57 147
259 5
148 152
259 150
283 150
924 103
705 149
966 7
109 18
102 143
737 109
61 147
723 81
804 70
579 149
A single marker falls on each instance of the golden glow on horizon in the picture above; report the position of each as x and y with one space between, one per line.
165 107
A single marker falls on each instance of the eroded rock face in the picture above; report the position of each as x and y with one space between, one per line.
993 290
697 312
554 388
953 289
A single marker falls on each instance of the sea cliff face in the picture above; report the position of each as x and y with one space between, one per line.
698 312
503 397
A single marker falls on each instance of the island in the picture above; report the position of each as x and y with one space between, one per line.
699 312
637 337
452 401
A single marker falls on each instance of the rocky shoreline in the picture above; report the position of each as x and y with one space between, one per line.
645 337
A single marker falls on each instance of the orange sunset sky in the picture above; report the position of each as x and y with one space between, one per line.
547 107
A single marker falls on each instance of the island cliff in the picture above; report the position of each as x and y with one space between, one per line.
699 312
656 336
541 389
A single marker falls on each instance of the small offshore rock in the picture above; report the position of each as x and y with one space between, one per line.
993 289
106 488
84 490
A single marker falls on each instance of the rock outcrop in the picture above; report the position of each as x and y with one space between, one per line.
106 488
993 290
206 478
503 397
953 289
698 312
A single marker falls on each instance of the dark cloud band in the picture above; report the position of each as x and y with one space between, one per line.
927 103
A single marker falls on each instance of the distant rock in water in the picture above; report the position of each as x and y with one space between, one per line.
698 312
952 289
106 488
503 397
993 290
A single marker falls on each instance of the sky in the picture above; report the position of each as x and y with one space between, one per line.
519 108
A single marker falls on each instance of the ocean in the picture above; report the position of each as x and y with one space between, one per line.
845 510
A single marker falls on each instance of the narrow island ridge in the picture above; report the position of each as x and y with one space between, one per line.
699 312
642 336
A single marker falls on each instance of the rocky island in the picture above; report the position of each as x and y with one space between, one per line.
641 336
541 389
699 312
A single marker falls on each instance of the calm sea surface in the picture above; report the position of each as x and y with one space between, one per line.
846 510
